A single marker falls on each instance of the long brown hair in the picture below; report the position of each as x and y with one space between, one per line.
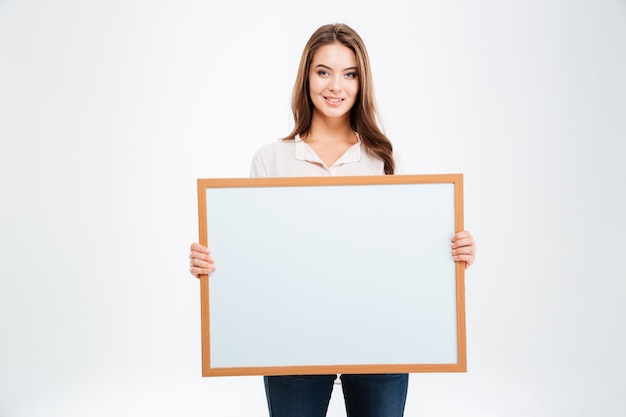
363 115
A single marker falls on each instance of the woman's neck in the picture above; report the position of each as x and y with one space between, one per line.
330 132
330 142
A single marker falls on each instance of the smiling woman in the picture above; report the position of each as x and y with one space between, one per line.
335 74
335 133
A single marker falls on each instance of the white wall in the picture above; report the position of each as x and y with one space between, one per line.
110 110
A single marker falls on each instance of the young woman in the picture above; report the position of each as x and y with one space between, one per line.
335 133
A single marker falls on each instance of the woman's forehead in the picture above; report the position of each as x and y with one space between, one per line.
334 55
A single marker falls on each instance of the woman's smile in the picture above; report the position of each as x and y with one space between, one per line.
333 101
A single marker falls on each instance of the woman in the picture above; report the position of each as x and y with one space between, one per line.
335 133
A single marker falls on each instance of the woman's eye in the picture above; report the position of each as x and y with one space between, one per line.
351 75
323 73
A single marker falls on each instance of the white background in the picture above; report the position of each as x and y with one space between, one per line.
110 110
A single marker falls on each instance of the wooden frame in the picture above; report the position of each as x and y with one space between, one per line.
320 275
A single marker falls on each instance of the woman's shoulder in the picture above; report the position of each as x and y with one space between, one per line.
275 148
270 156
276 144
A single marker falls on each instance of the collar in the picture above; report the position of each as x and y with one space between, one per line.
305 153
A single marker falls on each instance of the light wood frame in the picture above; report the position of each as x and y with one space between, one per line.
213 187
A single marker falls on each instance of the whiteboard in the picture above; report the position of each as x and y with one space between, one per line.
332 275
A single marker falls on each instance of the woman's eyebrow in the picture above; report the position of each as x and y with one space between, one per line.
327 67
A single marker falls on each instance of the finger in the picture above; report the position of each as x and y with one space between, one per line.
197 251
196 247
201 257
464 242
468 259
196 271
464 250
199 263
464 234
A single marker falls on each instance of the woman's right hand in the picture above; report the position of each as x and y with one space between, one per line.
200 260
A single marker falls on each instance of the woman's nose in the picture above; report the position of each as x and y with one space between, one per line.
334 84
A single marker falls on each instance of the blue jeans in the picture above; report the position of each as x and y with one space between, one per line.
365 395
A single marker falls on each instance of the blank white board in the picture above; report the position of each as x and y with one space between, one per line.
332 275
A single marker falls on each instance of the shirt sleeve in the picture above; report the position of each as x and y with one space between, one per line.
258 168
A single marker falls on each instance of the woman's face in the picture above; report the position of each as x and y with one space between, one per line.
333 80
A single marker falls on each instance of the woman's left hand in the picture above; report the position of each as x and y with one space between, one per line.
463 248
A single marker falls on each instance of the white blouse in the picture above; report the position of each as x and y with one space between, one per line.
295 158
